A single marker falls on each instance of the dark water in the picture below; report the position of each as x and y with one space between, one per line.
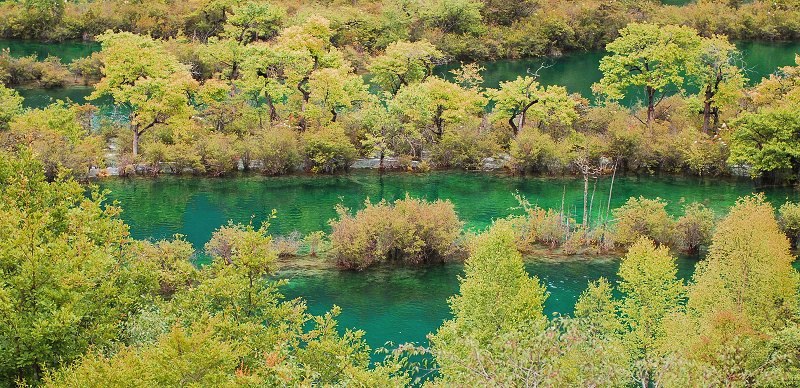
398 304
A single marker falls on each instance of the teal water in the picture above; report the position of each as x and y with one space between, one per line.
67 51
578 71
403 305
399 304
194 207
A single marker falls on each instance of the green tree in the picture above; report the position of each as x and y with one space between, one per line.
428 107
767 141
499 336
648 281
59 136
496 299
61 290
333 90
647 56
10 105
715 72
743 303
456 16
597 307
253 21
139 74
514 99
404 63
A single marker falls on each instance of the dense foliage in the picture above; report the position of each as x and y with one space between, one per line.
278 94
458 28
77 290
735 324
82 302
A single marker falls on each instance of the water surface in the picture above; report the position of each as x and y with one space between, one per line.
68 51
194 207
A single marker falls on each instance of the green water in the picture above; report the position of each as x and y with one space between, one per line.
404 305
398 304
67 51
194 207
578 71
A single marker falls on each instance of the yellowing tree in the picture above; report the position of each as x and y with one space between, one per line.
140 75
743 304
404 63
648 280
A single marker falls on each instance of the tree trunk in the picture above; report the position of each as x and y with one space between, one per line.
651 106
585 199
513 125
136 135
707 109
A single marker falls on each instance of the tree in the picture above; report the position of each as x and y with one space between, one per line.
456 16
766 141
496 299
499 337
332 90
61 291
310 43
647 56
266 75
651 293
598 309
404 63
253 21
748 270
383 132
224 57
430 106
515 98
714 70
742 303
140 75
10 105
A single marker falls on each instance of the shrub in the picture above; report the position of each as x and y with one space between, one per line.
535 151
278 150
218 153
10 105
695 227
643 217
288 245
409 230
328 150
544 226
315 242
53 73
461 149
790 221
